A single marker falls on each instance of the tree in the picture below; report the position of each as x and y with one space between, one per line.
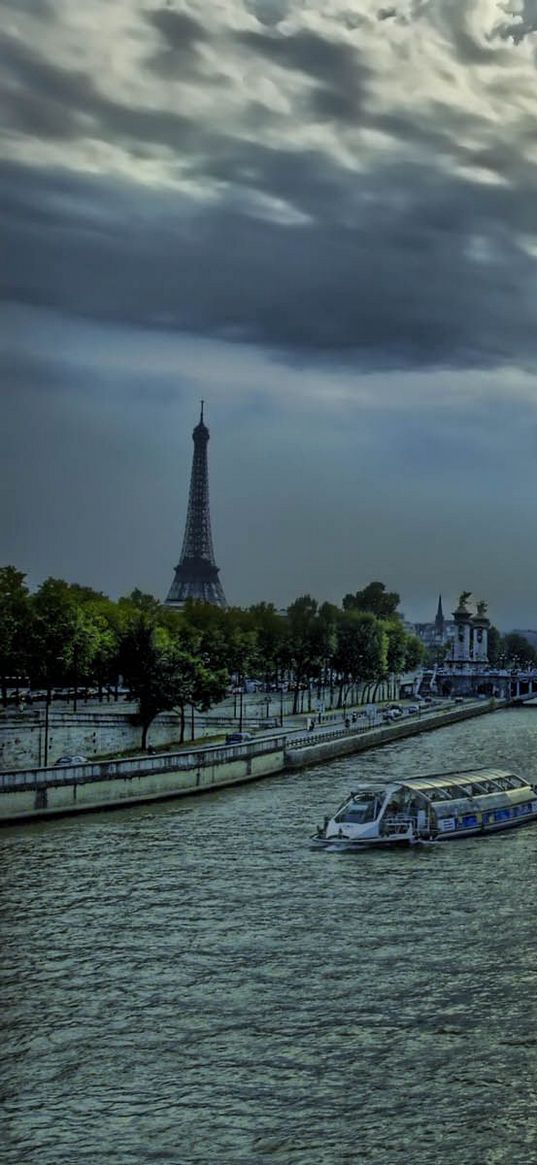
54 628
414 653
14 626
518 652
270 637
139 601
304 641
494 645
163 676
374 598
361 651
396 647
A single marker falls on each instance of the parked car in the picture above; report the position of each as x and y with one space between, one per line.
71 760
238 737
413 709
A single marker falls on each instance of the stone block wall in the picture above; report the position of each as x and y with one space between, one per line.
97 732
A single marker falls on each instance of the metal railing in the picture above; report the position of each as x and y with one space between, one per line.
207 755
140 765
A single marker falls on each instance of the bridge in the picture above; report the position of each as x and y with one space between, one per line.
515 686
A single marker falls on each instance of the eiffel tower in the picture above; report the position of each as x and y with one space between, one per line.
196 576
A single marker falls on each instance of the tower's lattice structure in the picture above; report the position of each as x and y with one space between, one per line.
196 576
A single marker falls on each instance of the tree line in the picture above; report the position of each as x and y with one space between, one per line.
65 635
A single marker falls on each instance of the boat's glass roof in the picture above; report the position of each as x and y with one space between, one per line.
460 778
449 787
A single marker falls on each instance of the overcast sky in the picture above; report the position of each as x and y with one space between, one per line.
322 219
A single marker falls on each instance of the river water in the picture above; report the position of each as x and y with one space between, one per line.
189 983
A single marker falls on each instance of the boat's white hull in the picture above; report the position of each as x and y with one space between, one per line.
398 840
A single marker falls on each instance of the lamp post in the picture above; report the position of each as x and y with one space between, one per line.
75 676
45 751
241 695
281 707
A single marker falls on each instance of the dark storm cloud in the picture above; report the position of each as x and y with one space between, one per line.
50 101
178 30
401 281
393 255
181 37
338 73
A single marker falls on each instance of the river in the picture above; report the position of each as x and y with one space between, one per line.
189 983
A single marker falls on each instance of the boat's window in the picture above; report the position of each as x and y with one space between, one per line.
453 792
515 783
358 811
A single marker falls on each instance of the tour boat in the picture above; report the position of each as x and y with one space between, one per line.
428 809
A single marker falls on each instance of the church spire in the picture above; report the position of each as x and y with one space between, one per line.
439 623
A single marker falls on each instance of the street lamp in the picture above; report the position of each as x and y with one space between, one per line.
47 706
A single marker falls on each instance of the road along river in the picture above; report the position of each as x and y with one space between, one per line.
188 983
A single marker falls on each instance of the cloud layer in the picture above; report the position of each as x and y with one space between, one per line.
319 217
358 180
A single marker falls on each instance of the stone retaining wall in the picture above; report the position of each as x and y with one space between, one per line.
45 792
38 793
86 733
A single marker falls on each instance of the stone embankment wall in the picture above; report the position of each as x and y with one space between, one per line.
108 728
22 734
47 792
95 731
318 749
38 793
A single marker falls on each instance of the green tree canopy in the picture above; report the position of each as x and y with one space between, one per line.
374 598
362 649
517 651
163 675
15 619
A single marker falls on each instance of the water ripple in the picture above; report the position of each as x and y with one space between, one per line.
190 984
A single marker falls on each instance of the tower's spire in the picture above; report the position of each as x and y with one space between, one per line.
439 623
196 576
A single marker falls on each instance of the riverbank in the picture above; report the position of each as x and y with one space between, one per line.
49 792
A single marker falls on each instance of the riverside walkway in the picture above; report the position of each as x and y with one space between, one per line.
44 792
